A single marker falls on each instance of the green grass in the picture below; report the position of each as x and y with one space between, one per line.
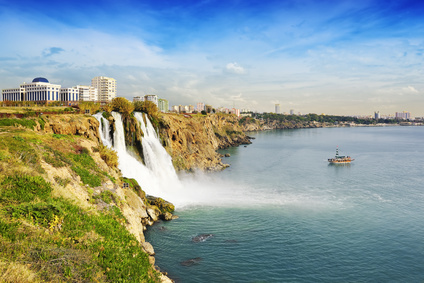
18 189
7 122
68 243
87 177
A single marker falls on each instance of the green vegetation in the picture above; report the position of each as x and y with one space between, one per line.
108 155
47 238
121 104
64 242
28 123
282 118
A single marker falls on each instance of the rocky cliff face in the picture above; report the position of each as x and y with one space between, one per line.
81 125
192 141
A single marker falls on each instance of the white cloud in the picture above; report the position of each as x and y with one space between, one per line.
412 89
235 68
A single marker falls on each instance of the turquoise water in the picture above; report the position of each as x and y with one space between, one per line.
281 213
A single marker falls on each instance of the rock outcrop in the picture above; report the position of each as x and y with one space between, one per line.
81 125
192 141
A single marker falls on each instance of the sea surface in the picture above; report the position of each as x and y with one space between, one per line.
281 213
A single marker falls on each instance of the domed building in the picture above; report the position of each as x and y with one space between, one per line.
40 91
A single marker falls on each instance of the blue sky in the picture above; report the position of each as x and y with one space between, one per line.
333 57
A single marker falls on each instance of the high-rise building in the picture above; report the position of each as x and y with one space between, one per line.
291 111
377 115
277 108
151 97
106 88
163 105
403 115
40 90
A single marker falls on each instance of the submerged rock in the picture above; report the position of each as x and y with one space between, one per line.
201 238
192 261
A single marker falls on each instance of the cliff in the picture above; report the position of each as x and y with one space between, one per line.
192 141
63 206
249 124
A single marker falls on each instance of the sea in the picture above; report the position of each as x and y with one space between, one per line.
282 213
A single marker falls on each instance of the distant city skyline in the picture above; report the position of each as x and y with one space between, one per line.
333 57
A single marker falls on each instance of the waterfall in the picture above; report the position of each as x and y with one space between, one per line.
155 155
104 129
158 176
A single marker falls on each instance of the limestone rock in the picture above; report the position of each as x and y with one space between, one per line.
148 248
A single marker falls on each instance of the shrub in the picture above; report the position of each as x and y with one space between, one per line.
109 156
122 105
44 214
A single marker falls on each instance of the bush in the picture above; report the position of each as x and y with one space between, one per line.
109 156
122 105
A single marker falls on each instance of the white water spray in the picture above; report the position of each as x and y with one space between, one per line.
158 177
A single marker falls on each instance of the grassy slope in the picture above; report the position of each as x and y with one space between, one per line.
50 238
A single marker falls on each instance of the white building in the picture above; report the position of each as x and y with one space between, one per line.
40 90
106 88
87 93
138 98
69 96
151 97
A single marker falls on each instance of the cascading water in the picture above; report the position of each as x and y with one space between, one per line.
155 155
158 178
104 129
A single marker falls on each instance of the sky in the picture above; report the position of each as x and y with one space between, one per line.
339 57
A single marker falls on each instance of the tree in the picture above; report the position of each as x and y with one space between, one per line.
122 105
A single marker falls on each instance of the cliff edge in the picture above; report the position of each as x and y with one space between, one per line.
192 141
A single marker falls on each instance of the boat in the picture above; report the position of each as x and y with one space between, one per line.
340 159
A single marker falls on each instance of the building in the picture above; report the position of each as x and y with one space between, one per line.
405 115
377 115
291 111
277 108
69 96
40 91
235 112
106 88
190 109
151 97
138 98
208 108
87 93
163 105
200 106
